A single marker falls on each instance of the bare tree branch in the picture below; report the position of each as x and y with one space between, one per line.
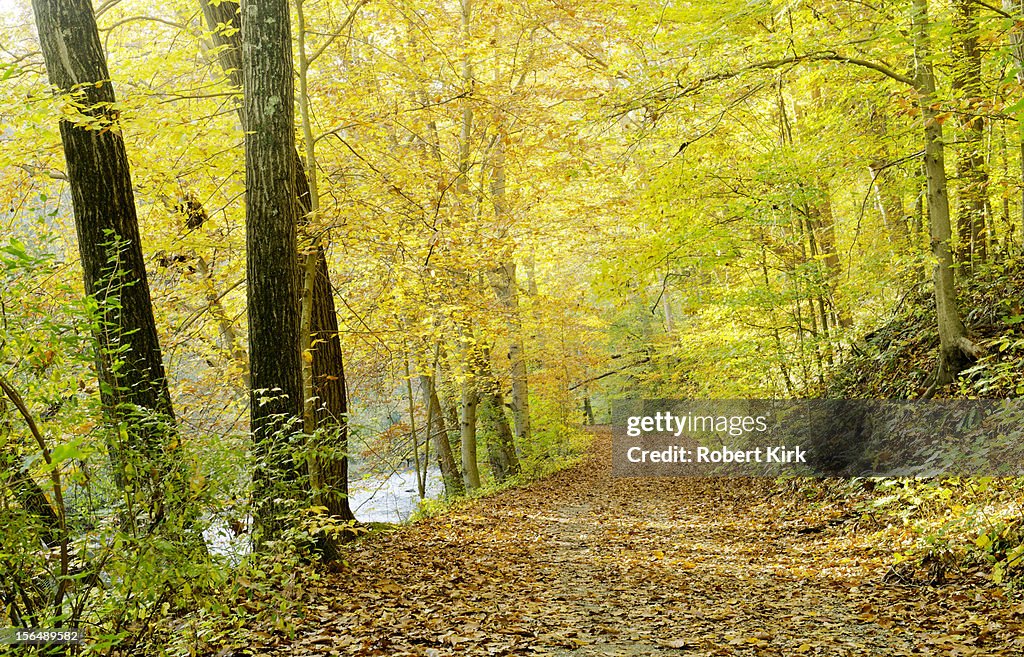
326 44
39 171
107 4
821 56
134 19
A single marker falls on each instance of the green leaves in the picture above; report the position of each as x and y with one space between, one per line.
68 451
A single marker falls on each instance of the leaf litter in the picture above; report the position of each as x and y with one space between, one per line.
584 564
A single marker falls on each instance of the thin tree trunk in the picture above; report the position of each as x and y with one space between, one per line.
824 288
666 309
311 208
955 350
530 264
467 433
129 360
973 179
466 130
503 281
886 188
889 203
439 434
588 410
421 482
824 230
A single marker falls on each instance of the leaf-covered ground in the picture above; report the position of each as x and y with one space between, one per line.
585 564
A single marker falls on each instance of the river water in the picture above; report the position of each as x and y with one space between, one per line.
373 497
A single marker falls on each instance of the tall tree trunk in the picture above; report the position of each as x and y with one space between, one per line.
327 366
501 453
920 234
421 482
955 350
273 268
588 411
823 232
814 289
439 435
330 409
466 130
129 360
327 408
973 179
503 281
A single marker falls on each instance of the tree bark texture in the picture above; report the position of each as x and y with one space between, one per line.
133 386
501 448
272 269
328 366
955 350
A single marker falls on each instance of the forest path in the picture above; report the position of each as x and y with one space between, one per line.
585 564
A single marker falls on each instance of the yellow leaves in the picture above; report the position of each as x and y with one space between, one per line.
225 29
579 561
759 640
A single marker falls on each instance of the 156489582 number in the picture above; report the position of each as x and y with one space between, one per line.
36 636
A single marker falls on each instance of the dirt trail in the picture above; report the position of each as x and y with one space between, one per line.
585 564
